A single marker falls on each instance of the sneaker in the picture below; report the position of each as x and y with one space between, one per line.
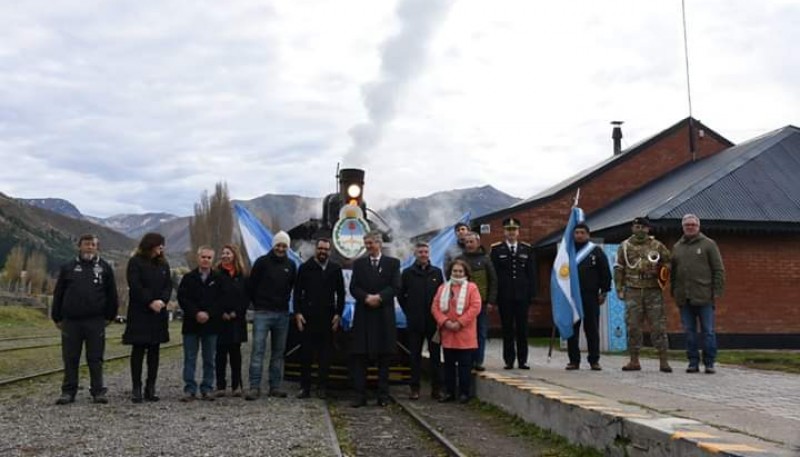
188 396
693 369
277 393
236 393
253 394
100 399
65 399
596 367
382 401
710 369
572 366
207 396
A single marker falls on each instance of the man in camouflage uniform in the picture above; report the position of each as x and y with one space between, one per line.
641 262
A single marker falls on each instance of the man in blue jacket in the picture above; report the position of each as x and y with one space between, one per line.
84 302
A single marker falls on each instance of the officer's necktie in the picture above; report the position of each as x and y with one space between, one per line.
513 250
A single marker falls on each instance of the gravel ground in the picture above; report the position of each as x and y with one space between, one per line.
30 423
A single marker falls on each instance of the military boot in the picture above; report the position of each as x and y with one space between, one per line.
663 363
633 365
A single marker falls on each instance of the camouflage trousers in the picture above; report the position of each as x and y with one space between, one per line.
640 304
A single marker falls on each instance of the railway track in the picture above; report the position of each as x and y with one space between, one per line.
29 377
49 345
392 430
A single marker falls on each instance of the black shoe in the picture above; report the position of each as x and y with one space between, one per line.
304 394
358 403
693 369
596 367
524 367
572 366
508 367
188 397
479 368
206 396
100 399
382 401
65 399
322 393
136 395
447 399
463 399
150 394
277 393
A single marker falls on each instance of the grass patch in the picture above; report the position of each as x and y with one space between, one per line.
340 427
19 320
555 445
783 361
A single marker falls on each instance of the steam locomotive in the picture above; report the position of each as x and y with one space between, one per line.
345 220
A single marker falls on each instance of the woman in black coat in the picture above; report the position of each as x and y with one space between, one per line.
233 331
150 286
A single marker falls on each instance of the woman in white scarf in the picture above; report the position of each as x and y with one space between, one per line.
455 309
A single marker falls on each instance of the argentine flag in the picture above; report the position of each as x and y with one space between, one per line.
565 291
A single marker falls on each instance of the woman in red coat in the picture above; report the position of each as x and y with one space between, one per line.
455 309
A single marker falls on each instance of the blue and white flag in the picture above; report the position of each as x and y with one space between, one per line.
256 238
440 244
565 290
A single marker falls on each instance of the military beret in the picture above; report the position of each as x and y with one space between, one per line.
642 221
511 223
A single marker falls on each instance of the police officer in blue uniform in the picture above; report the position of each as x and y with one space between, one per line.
516 278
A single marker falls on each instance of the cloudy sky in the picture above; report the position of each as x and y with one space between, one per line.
140 106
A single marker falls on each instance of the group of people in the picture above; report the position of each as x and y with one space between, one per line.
447 310
643 268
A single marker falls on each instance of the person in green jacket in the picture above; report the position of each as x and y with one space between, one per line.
697 281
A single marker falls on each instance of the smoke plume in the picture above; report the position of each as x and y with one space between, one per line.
402 58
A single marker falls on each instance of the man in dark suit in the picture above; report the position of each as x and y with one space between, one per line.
319 302
516 279
420 283
374 284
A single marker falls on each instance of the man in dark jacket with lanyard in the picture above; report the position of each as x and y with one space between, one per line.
420 282
318 305
595 279
374 284
270 287
516 277
200 297
84 302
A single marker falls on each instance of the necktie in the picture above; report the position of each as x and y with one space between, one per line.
374 262
513 250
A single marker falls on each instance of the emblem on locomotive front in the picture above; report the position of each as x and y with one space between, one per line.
349 231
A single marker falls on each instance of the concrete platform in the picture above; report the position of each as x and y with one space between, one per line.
736 412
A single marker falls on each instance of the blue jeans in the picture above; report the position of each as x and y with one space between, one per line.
690 314
277 326
191 344
483 332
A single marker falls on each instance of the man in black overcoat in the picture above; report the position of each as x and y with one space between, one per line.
374 285
318 305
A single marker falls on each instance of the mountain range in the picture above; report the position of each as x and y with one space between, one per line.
59 221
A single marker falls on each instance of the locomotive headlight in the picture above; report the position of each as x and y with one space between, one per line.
354 191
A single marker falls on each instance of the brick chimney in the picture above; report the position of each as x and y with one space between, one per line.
616 134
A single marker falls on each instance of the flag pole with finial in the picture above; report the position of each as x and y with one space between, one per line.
553 331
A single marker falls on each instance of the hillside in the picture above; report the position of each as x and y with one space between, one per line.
52 233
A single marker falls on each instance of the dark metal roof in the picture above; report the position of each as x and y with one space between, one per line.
751 185
756 181
575 181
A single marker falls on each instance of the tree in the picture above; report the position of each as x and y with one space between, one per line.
36 266
15 263
212 223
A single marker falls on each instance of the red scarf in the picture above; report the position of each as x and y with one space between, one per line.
230 268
